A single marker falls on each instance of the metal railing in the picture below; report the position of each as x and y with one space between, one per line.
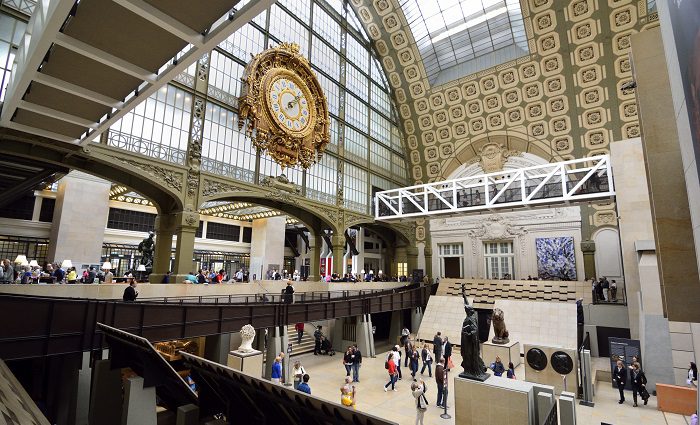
562 182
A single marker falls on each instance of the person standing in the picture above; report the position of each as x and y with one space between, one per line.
356 363
298 372
606 289
613 290
397 360
447 350
437 346
289 293
347 393
427 360
408 349
347 361
440 381
639 384
130 293
390 366
620 378
276 376
304 386
693 375
418 391
498 367
510 373
414 362
317 341
299 327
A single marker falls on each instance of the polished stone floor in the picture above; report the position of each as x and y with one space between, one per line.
327 374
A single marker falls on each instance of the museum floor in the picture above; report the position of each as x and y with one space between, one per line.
327 375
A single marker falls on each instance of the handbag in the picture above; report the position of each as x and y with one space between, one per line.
644 393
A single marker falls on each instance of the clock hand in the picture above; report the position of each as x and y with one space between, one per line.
293 102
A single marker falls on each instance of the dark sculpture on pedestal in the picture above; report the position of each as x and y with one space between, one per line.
146 248
500 333
474 367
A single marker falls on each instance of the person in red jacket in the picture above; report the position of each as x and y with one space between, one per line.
393 374
299 327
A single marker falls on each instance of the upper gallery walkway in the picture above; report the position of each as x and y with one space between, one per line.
566 182
61 325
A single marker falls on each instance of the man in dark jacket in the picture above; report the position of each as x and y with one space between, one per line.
437 346
356 363
288 293
317 341
130 292
448 353
440 381
620 378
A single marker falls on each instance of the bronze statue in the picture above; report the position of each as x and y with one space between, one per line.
474 367
500 333
146 248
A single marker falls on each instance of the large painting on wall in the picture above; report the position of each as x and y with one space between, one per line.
556 258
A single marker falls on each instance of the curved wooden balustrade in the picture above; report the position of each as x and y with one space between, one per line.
41 326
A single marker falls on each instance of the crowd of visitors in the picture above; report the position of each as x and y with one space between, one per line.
604 290
367 277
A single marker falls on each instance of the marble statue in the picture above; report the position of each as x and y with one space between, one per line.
500 333
472 363
146 248
247 336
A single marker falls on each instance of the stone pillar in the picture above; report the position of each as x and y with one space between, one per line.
187 415
567 408
267 246
338 242
363 332
277 340
84 380
165 229
395 327
588 249
217 347
106 395
186 227
411 259
392 268
416 319
79 220
315 260
139 403
420 246
429 262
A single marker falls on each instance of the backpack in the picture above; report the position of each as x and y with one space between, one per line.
386 365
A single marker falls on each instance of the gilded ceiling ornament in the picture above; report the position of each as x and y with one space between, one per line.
283 108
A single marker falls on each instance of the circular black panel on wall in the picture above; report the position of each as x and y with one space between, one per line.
562 363
536 358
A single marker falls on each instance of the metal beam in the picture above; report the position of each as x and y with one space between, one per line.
104 58
21 188
59 115
40 132
163 20
48 18
76 90
222 29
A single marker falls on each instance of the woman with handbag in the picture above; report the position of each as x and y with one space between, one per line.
418 391
639 383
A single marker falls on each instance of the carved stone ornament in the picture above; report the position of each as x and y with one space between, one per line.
493 157
247 337
212 187
283 108
171 179
281 182
495 227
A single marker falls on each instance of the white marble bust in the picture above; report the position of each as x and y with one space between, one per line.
247 336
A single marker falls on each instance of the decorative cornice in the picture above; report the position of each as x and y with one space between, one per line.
172 179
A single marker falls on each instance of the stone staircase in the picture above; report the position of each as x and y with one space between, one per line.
307 342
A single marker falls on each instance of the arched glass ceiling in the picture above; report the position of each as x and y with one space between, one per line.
459 37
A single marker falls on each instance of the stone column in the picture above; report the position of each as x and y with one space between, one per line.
277 340
79 220
165 229
411 259
217 347
338 242
392 268
186 227
315 251
429 262
267 245
139 403
106 395
588 249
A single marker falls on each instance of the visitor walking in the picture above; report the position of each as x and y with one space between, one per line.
408 348
613 290
639 384
130 293
418 391
427 360
299 327
440 381
397 359
620 378
390 366
414 362
693 375
289 293
304 386
356 363
606 289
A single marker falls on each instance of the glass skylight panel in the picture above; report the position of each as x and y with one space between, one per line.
449 33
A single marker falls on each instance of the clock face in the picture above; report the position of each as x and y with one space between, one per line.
289 104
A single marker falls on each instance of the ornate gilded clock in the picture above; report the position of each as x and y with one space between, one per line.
283 108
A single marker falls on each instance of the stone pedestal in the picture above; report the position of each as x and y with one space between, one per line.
474 402
549 376
139 403
249 363
187 415
567 408
509 352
